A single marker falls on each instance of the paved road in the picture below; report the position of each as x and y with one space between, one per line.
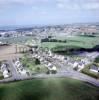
68 74
15 74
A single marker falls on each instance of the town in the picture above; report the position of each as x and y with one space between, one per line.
49 49
25 55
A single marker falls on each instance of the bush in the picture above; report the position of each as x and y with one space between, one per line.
38 68
97 60
54 72
0 63
76 68
48 72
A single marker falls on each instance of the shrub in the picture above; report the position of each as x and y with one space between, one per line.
97 60
53 71
48 72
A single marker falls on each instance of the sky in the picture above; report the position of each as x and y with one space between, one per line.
48 12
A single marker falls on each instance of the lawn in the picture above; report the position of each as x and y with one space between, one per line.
49 89
1 75
33 65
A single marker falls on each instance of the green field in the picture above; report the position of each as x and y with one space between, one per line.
80 41
48 89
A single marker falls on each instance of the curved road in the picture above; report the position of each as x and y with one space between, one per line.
61 73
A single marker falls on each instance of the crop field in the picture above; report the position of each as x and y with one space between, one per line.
49 89
80 41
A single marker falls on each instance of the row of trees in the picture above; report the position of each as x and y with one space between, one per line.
52 40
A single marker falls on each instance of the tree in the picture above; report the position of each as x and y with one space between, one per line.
37 62
97 60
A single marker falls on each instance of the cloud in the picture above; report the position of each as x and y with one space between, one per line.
91 6
5 3
43 12
61 4
78 4
68 7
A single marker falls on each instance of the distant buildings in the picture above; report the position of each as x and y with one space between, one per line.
3 43
45 31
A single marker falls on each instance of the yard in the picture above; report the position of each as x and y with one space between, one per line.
49 89
33 65
87 71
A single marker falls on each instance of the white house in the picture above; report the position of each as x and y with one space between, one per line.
55 56
61 57
80 66
18 64
75 64
5 74
4 70
41 59
20 68
85 60
1 43
49 65
50 53
38 57
23 72
94 69
54 68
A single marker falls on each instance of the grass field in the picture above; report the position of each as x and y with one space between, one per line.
80 41
49 89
